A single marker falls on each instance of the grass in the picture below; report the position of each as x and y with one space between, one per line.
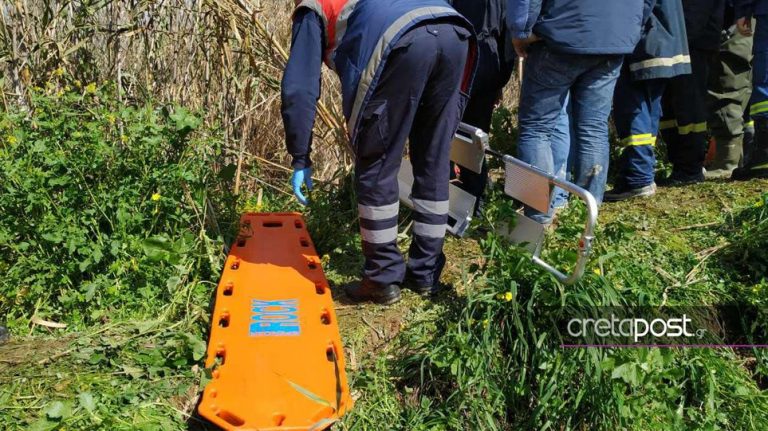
439 365
482 356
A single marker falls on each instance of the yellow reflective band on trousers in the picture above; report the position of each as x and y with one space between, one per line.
749 124
637 140
759 108
667 124
692 128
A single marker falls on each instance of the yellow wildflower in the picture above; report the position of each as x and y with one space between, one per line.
508 296
156 197
11 139
58 72
111 118
486 322
123 139
77 83
597 271
759 203
90 88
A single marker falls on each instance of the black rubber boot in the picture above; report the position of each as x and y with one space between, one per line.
727 156
756 160
368 291
426 289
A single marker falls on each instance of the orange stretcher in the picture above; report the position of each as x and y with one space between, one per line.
275 351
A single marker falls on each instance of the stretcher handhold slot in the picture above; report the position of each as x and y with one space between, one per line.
319 289
304 243
221 355
298 225
272 224
278 420
231 418
241 242
224 320
229 288
235 264
330 353
325 317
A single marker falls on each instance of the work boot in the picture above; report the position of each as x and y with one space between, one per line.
621 193
4 334
425 289
756 158
728 152
367 290
677 179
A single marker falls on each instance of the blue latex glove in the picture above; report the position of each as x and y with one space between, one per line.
301 176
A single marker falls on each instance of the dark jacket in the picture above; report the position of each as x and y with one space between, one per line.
580 26
704 23
354 38
749 8
488 17
663 49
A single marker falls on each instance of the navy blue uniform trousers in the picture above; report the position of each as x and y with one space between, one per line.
418 99
684 120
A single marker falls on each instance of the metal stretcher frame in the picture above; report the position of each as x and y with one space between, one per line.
523 182
512 166
468 150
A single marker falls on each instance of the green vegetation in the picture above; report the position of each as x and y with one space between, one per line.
106 225
491 360
113 221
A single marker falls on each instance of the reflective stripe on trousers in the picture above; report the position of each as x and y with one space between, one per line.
417 99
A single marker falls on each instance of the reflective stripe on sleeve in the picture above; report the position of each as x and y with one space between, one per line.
378 56
383 212
660 62
379 236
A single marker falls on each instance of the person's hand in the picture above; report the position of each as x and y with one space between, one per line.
299 178
521 45
744 25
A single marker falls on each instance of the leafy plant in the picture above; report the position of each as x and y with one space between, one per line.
104 209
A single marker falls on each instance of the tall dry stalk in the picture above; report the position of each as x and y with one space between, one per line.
222 58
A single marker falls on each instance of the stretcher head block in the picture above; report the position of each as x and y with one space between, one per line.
468 147
275 351
533 187
461 204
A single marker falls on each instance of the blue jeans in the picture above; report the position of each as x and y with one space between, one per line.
560 141
636 114
548 79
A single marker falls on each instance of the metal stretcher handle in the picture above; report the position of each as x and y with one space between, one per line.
588 234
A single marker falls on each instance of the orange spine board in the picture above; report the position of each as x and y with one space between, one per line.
275 350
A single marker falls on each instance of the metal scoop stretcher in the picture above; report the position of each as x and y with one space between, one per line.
524 183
